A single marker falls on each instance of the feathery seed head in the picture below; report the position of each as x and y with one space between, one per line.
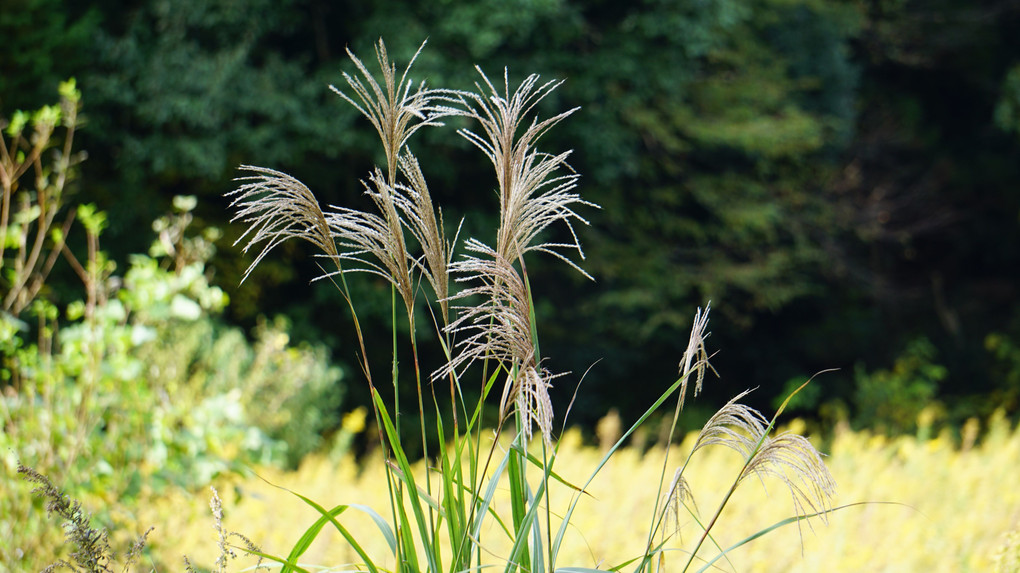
532 196
500 328
359 233
789 457
735 426
535 191
533 404
794 461
678 495
277 207
415 203
396 109
695 356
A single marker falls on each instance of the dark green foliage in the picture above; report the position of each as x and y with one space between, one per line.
891 400
44 43
1007 111
197 87
179 91
818 169
1005 352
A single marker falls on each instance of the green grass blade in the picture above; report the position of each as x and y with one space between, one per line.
312 532
519 551
537 546
785 522
453 500
485 503
538 463
343 531
518 505
382 524
406 540
287 564
408 478
605 459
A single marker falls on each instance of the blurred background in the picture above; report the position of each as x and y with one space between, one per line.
841 179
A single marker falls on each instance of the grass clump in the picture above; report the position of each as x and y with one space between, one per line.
482 309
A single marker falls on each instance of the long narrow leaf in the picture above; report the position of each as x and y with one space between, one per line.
405 468
519 550
787 521
380 522
406 541
538 463
287 564
486 501
343 531
605 459
312 532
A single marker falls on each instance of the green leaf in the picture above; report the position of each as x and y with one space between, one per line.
69 91
306 539
312 532
380 522
92 218
288 565
788 521
185 203
18 122
405 468
46 117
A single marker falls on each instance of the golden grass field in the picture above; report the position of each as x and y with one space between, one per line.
955 508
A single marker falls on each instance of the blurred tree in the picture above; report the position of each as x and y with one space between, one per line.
44 43
838 177
928 190
184 91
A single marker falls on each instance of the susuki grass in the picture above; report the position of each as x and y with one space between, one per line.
482 304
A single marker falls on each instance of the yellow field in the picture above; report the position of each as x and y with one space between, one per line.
958 508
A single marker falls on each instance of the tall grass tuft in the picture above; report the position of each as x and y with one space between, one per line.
483 304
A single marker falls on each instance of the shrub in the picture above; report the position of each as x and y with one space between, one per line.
136 385
892 400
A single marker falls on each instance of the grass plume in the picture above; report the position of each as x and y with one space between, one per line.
276 207
533 191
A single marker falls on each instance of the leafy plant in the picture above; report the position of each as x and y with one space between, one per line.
892 399
488 329
1005 354
93 552
31 240
136 385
